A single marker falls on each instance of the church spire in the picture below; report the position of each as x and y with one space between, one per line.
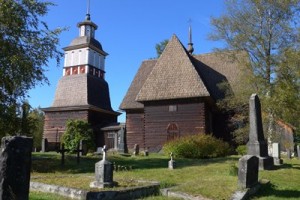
190 44
88 15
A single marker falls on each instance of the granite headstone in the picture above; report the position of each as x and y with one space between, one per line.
15 165
248 171
257 146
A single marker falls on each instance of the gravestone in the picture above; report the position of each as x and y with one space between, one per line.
248 171
103 173
44 145
298 151
257 145
171 163
136 150
276 154
83 147
146 152
15 165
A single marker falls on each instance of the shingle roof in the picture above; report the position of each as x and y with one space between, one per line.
129 101
82 90
85 41
173 76
176 74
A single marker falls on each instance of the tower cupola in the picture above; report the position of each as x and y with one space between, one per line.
85 54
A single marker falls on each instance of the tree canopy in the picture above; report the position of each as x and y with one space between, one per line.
269 32
26 45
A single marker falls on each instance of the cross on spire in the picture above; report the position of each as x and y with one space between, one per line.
88 16
190 44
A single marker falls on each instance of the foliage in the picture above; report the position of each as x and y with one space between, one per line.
197 146
241 150
36 125
160 47
26 45
78 130
265 30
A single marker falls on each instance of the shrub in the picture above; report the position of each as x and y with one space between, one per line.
241 150
78 130
197 146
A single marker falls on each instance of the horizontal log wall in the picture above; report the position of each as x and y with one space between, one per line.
135 129
190 118
55 123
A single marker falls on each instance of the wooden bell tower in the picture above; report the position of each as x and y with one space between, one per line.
82 92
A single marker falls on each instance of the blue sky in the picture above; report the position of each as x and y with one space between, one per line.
128 30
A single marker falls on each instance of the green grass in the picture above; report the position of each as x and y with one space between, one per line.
207 177
34 195
284 182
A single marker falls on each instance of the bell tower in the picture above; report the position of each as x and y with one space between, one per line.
82 92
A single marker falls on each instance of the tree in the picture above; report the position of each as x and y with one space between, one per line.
26 45
160 47
36 126
78 130
263 29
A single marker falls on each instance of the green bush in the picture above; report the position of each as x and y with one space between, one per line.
241 150
78 130
197 146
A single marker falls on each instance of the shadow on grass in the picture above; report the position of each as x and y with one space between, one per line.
287 166
269 189
49 163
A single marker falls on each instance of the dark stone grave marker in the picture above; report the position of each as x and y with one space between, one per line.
62 151
257 145
15 165
248 171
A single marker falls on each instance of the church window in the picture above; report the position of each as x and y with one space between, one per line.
172 108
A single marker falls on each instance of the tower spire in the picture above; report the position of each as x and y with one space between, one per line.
88 16
190 44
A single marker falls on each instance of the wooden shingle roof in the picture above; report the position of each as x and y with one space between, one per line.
173 76
178 75
82 90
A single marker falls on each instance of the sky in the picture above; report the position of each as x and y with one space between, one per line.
128 31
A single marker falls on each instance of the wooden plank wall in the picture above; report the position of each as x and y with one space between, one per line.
135 129
189 117
55 123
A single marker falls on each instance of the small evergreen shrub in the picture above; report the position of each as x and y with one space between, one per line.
197 146
241 150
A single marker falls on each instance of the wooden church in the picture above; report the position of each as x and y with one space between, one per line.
82 92
175 95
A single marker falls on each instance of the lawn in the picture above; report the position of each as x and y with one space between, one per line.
208 177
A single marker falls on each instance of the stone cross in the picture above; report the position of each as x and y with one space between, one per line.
79 151
298 151
171 163
104 150
257 145
63 151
